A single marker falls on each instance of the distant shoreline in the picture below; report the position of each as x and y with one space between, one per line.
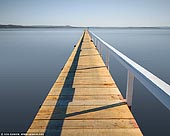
68 26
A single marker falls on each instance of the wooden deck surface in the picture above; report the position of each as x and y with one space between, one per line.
84 100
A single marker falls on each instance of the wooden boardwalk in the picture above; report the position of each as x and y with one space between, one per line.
84 100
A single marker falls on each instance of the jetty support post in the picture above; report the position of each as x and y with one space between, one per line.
129 89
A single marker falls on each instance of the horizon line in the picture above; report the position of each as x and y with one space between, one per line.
19 25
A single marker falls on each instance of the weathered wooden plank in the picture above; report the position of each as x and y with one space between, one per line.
87 85
87 70
84 91
87 124
83 79
52 99
95 74
81 103
90 132
83 98
114 111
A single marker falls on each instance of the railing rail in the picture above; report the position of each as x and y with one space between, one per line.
156 86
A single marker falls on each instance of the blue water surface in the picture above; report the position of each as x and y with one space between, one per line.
31 60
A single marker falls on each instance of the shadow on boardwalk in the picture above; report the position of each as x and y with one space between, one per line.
63 100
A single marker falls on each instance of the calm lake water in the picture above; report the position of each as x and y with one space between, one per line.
31 59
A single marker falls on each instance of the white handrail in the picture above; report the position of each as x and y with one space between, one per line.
156 86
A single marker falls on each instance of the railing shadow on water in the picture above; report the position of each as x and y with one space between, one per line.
63 100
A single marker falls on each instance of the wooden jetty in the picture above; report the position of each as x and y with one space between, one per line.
84 100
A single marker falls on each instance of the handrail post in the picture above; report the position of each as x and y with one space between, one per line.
100 49
129 89
107 59
97 44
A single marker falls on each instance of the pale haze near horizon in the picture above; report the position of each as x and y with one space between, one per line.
114 13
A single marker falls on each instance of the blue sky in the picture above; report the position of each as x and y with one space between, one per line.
86 12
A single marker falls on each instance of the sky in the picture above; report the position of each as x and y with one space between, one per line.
114 13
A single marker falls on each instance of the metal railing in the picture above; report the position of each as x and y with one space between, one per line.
156 86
